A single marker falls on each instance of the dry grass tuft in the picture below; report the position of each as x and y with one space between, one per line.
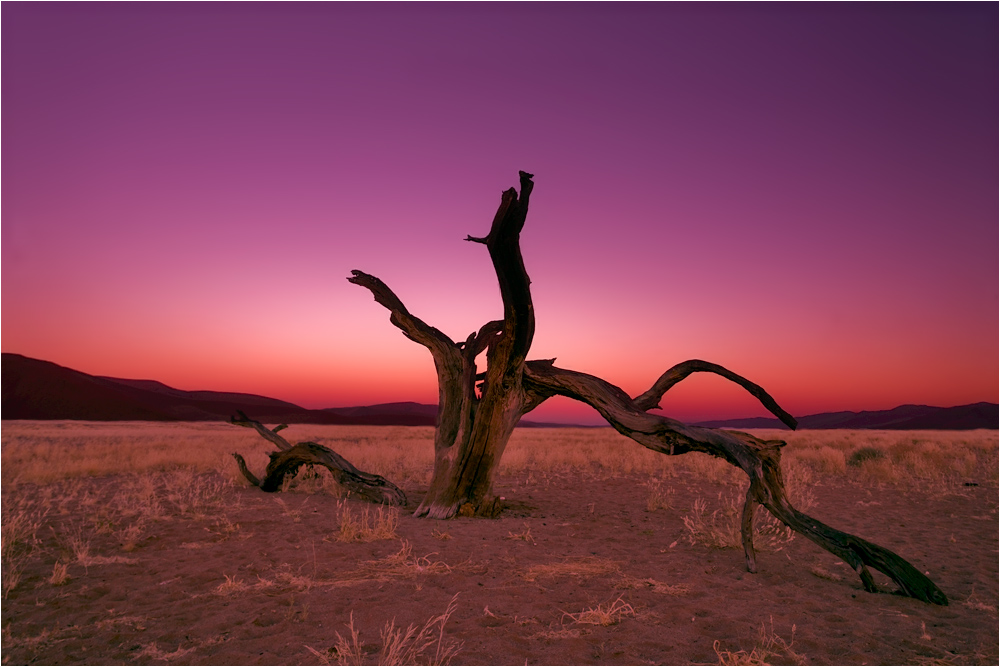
232 585
977 603
604 615
524 535
130 536
60 574
402 565
587 566
658 498
368 526
426 645
768 646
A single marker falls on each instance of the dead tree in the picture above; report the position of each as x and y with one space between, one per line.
478 411
289 458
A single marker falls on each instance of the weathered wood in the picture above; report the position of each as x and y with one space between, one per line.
473 430
746 531
289 458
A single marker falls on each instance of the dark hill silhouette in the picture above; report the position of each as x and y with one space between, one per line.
905 417
35 389
403 408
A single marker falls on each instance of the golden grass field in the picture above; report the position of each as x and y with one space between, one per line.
140 543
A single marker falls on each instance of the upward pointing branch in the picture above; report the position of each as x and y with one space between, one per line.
504 244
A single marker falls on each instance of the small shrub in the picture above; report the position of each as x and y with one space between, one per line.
859 456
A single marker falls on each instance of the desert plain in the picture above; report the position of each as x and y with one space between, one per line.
140 543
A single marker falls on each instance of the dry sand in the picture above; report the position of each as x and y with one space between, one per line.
259 578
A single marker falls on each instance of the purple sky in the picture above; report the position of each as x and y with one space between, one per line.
806 194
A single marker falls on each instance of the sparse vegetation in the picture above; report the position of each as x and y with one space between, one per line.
768 646
52 450
426 645
72 537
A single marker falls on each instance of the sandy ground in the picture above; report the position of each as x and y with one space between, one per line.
260 578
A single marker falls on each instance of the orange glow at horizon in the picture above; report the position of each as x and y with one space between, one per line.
729 185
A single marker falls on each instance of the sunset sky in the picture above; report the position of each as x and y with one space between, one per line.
805 194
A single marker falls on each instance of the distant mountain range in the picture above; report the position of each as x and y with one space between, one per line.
35 389
905 417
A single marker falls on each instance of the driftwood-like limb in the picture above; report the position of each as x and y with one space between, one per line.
290 458
250 477
759 459
271 435
746 531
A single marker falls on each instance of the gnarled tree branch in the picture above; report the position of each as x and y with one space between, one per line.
759 459
290 458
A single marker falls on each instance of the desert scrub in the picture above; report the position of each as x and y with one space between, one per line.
863 454
894 457
597 452
45 451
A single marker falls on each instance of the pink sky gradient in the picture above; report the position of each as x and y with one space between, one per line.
806 194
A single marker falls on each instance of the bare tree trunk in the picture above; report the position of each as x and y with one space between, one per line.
473 428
